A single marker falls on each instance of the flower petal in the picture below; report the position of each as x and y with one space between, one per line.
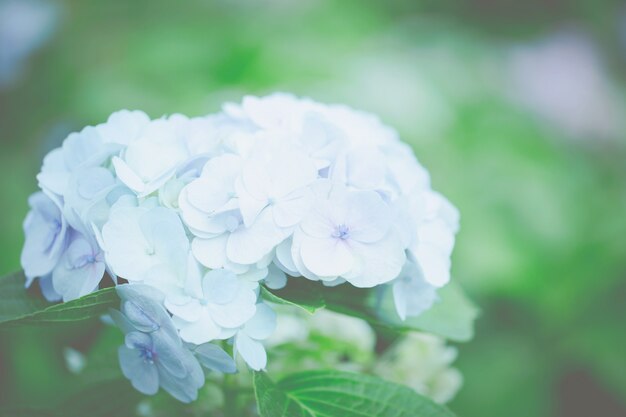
142 374
434 264
378 262
328 257
201 331
251 351
249 245
215 358
369 217
262 324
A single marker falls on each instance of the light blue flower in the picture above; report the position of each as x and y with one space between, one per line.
154 359
80 269
348 234
153 355
46 237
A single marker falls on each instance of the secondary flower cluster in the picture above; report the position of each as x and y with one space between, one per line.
202 211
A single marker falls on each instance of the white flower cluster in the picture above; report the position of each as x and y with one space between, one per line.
206 209
421 361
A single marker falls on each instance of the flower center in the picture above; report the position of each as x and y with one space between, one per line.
56 226
83 261
341 232
146 353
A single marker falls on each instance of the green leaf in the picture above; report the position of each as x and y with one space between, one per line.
340 394
452 317
18 307
14 301
296 296
87 307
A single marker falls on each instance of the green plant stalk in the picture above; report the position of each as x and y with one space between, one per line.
230 396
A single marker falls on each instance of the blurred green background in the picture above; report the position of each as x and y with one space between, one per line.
517 109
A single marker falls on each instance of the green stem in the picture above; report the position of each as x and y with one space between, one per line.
230 396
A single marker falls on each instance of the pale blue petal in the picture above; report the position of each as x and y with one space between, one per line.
215 358
46 233
434 263
164 230
226 334
48 290
334 282
78 272
262 324
188 310
138 340
275 279
178 388
83 148
200 331
143 305
142 374
195 374
236 313
139 317
251 351
220 286
134 291
169 354
370 218
121 321
399 298
54 173
381 262
248 245
411 293
184 389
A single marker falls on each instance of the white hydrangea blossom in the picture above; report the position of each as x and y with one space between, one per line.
204 210
423 362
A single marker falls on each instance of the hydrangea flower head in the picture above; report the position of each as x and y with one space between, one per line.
191 216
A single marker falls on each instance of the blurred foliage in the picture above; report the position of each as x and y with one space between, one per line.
543 235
